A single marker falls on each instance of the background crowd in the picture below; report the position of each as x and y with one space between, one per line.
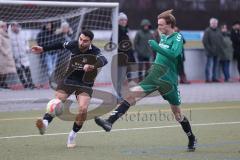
221 43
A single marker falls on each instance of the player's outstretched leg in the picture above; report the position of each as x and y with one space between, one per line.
106 124
42 124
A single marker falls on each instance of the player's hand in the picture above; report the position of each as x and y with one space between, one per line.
153 44
88 67
37 49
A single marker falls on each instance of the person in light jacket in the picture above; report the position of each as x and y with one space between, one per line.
7 64
20 48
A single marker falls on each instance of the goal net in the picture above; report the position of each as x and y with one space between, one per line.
34 22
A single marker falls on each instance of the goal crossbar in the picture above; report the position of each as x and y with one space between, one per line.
65 4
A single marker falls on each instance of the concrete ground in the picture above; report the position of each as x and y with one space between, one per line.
194 93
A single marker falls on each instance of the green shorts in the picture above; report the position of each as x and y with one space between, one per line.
160 79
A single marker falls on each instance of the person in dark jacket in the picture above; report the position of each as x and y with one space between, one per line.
125 50
235 37
156 37
181 72
48 59
226 56
64 34
212 41
142 49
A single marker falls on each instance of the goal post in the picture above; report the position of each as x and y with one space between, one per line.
33 16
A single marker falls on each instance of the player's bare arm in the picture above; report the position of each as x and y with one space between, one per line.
37 49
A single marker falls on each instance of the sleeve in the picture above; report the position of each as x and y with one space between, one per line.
58 45
53 46
39 39
101 60
172 52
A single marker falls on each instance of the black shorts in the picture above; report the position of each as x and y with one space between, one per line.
71 88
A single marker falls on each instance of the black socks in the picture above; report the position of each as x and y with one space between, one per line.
117 113
187 127
48 117
76 127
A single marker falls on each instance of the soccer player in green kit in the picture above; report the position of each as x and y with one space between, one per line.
162 76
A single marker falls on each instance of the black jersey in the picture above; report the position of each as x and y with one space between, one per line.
78 59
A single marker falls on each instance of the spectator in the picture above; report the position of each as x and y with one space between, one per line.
181 71
124 49
142 48
7 64
212 41
20 48
156 37
226 56
235 37
48 59
64 34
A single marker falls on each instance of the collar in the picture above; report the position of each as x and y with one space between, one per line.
89 48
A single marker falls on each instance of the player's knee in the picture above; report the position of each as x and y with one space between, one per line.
136 89
177 113
178 117
61 97
82 110
131 100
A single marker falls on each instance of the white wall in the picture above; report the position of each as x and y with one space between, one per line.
195 65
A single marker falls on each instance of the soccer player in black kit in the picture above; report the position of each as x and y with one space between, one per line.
89 59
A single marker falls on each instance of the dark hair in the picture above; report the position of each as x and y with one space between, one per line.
223 24
88 33
236 22
169 18
53 26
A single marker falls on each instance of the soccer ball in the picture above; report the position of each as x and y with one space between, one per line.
55 107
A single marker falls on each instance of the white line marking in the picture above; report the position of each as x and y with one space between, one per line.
123 129
21 118
140 111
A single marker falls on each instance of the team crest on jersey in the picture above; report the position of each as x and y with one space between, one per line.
164 46
84 60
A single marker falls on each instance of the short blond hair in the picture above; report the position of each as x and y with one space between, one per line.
169 18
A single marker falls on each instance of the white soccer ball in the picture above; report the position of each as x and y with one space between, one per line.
55 107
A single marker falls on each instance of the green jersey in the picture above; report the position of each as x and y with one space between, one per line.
169 53
163 75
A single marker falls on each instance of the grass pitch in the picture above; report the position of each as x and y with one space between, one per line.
146 132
